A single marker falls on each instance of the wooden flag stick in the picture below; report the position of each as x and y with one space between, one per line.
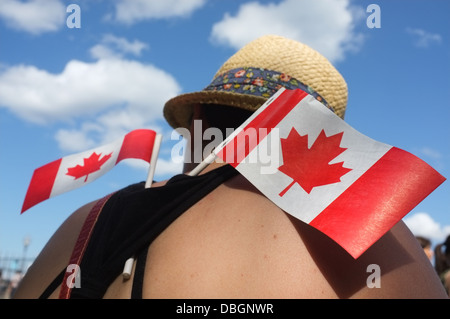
148 183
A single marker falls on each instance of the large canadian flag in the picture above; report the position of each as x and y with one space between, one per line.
74 171
327 174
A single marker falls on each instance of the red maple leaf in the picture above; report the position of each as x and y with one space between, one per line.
309 167
91 164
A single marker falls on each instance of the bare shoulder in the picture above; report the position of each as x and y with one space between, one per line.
54 257
395 267
238 240
405 270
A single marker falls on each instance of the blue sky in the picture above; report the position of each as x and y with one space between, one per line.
64 90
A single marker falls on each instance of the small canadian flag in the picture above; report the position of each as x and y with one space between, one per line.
330 176
74 171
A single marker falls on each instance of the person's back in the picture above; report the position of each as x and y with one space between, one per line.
235 243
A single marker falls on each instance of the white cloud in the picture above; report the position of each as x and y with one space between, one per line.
74 140
116 47
164 169
130 12
422 224
325 25
424 39
434 154
33 16
97 101
85 89
167 167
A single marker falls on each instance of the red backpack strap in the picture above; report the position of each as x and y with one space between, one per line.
81 244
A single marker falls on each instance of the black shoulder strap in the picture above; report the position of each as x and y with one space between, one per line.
131 219
139 271
54 284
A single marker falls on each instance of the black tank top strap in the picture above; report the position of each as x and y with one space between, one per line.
139 272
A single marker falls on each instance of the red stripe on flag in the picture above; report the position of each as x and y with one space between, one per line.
137 144
240 146
41 184
375 202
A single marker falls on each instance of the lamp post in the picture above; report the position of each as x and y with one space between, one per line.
26 243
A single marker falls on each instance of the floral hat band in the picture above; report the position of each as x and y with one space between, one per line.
259 82
248 78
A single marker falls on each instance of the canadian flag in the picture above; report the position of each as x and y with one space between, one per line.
74 171
327 174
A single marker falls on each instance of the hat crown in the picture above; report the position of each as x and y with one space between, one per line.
297 60
272 55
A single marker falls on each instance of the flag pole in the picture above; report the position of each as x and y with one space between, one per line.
155 152
127 268
200 167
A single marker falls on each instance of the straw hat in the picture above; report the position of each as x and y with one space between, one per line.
257 71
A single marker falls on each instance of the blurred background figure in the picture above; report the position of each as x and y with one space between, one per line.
3 285
442 262
426 246
14 283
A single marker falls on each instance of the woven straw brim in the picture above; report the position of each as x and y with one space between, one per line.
272 53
